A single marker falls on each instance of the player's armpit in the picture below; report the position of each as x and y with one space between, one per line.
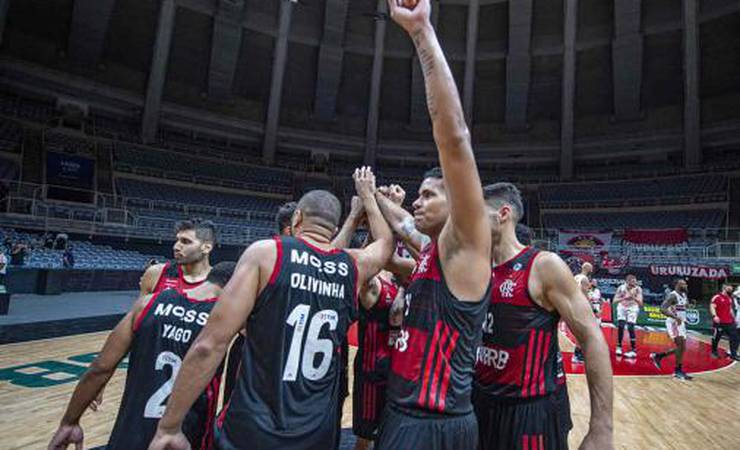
369 293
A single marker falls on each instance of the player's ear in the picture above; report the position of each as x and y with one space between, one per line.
206 247
296 220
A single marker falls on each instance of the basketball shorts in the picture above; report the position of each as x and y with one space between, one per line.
541 423
675 330
401 431
628 313
368 403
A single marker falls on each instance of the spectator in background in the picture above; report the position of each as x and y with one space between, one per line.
736 299
18 254
48 240
68 258
60 243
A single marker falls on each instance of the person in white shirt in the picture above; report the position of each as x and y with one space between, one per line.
3 267
594 296
629 301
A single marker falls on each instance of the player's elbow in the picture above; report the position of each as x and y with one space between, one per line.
101 369
458 138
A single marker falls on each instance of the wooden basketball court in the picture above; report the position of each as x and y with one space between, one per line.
651 412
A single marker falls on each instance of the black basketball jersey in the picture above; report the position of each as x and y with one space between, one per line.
519 357
172 277
287 393
163 334
434 353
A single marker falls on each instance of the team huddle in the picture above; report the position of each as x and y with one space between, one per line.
458 340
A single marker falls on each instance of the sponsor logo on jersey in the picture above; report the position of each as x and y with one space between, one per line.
490 357
323 266
186 315
517 267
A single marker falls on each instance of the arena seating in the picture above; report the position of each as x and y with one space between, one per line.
86 254
189 168
554 195
659 219
8 170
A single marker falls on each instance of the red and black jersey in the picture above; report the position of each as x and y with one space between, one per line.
520 355
164 332
433 356
288 387
372 361
172 277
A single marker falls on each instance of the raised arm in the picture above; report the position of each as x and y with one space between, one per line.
390 199
559 290
375 256
469 223
96 377
206 353
354 218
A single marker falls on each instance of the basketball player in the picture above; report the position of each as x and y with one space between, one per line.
297 297
594 296
629 301
283 217
430 380
674 307
234 358
583 280
372 361
520 396
158 331
724 323
195 239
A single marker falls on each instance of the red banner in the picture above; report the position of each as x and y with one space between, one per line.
674 236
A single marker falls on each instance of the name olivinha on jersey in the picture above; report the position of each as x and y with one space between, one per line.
314 285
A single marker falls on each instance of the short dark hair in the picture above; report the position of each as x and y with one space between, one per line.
221 273
523 234
434 172
505 193
205 230
322 207
285 215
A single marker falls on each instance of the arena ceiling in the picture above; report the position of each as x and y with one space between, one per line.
507 58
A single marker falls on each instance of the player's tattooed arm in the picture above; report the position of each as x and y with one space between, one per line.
93 381
554 287
390 199
395 317
666 309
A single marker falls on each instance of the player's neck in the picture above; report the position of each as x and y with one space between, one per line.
196 271
315 237
505 248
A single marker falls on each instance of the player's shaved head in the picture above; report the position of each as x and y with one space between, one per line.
321 208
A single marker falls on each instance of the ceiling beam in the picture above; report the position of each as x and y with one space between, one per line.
569 88
276 87
331 57
373 109
518 64
4 4
158 71
471 44
627 49
90 19
692 105
225 46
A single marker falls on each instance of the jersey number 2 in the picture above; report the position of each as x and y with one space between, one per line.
325 347
154 408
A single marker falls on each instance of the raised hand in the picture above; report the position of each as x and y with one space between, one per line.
364 182
411 15
396 194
